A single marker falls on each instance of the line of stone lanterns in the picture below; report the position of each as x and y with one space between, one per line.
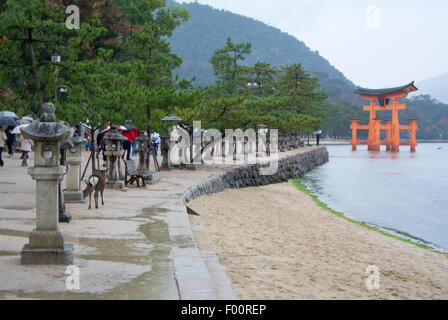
58 153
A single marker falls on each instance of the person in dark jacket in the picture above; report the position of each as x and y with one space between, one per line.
318 134
2 144
101 143
10 140
126 150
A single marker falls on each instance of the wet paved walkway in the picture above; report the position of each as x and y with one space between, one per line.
139 245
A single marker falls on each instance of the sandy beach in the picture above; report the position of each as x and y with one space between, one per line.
276 243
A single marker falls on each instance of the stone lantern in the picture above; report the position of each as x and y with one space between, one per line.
165 147
143 154
262 140
167 141
281 142
73 192
172 119
46 244
114 140
143 160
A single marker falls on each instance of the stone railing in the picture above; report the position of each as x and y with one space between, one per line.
290 166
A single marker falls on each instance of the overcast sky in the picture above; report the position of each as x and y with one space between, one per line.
375 43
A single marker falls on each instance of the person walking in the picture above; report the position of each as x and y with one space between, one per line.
3 139
155 140
88 145
134 147
101 143
25 147
10 140
126 149
318 134
155 145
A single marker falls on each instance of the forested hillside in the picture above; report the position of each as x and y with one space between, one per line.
122 64
436 87
207 30
432 115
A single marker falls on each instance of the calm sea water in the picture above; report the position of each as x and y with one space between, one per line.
405 193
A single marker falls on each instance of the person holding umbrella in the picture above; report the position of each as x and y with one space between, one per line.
155 140
7 121
11 134
3 139
25 147
131 134
318 133
10 141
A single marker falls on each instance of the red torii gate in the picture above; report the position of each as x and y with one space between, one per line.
392 127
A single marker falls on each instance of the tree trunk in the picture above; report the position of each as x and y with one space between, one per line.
35 70
148 130
92 152
148 107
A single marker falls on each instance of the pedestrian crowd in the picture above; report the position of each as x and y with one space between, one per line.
11 142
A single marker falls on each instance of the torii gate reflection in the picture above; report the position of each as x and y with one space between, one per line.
392 127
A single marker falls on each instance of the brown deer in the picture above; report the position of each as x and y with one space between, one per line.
97 182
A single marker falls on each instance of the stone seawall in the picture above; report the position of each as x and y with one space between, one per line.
289 167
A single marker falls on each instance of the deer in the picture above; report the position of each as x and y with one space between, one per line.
97 182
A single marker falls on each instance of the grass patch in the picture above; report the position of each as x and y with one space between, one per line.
301 187
406 279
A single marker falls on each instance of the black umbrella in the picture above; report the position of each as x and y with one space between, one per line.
8 114
7 122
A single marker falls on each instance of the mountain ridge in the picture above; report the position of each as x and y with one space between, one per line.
436 87
207 30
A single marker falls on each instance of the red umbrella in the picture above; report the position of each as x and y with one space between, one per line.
131 134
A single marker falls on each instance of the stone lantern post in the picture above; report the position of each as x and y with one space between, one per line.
46 244
73 192
64 216
281 142
165 146
143 154
114 141
172 119
143 160
262 140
